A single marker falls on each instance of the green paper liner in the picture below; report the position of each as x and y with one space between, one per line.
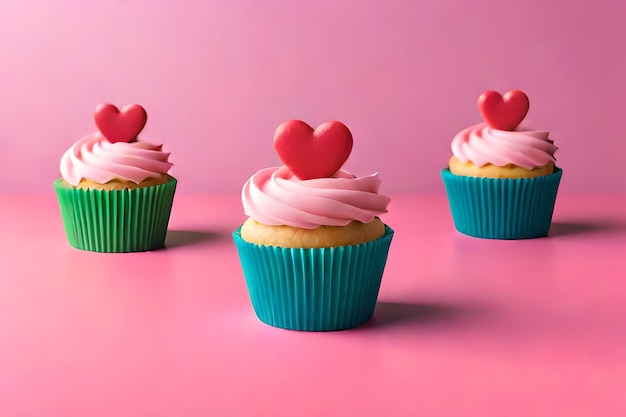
314 289
116 221
502 208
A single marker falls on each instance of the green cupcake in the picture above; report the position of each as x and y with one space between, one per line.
115 193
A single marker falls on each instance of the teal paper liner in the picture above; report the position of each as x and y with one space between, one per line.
314 289
116 221
502 208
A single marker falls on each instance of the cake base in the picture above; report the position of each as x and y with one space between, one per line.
467 169
322 237
116 221
118 185
502 208
323 289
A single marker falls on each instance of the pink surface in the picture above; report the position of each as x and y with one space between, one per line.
217 77
464 327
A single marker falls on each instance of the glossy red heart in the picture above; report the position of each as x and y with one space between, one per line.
503 112
120 126
312 153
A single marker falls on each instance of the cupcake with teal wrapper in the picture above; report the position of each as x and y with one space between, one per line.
115 193
313 248
502 180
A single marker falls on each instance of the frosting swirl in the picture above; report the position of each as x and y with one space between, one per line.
94 158
482 145
274 196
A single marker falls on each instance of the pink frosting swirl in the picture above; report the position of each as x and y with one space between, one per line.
94 158
274 196
484 145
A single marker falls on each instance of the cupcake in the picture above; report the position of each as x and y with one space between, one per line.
313 248
502 180
115 193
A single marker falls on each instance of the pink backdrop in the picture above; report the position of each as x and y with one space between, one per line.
217 77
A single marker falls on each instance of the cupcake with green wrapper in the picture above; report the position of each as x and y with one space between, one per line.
502 180
115 193
313 249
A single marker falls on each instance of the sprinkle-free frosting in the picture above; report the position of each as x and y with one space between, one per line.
94 158
274 196
482 145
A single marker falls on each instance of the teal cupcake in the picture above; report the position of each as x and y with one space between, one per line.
502 180
313 249
115 194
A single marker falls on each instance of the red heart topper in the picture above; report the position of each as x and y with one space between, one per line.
503 112
120 126
312 153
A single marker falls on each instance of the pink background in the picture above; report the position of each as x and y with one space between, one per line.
451 335
217 77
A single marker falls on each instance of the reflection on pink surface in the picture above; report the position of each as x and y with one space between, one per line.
464 326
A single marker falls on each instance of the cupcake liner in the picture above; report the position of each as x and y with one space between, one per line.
314 289
116 221
502 208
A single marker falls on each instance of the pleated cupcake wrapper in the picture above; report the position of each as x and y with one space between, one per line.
116 221
496 208
314 289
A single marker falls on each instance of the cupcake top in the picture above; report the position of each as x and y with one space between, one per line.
114 152
311 189
499 141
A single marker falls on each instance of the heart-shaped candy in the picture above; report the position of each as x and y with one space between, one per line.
503 112
120 126
312 153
